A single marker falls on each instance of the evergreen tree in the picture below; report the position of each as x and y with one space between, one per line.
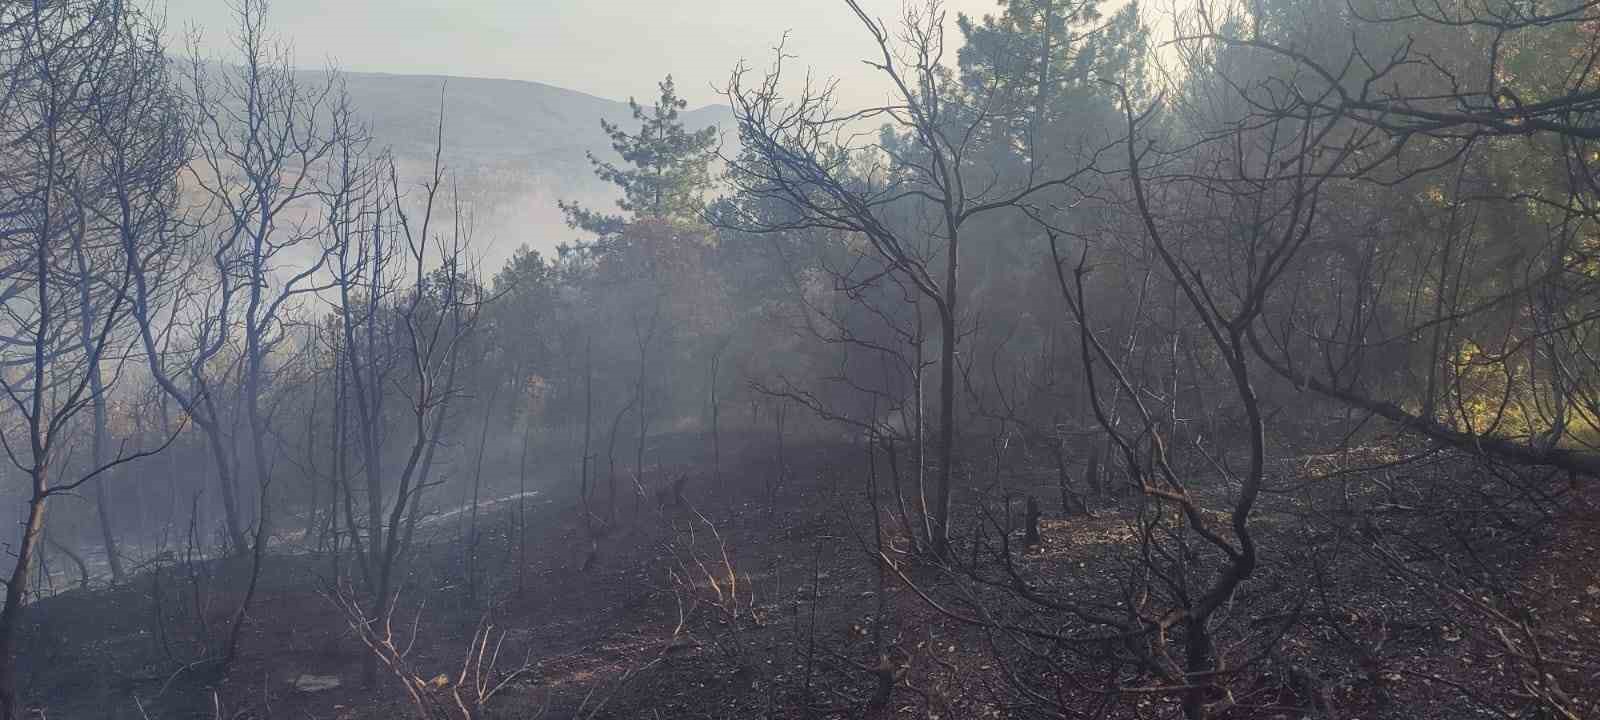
667 168
1037 67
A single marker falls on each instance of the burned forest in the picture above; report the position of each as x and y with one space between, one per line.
1022 359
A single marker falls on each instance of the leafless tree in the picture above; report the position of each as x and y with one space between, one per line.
82 145
407 304
260 132
805 156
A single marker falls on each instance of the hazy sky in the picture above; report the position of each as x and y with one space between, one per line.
610 48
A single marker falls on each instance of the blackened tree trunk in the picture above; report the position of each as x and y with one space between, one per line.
947 408
588 432
477 495
100 444
17 594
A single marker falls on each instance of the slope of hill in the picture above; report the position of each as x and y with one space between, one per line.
515 147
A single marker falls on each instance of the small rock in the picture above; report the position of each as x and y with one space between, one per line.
316 683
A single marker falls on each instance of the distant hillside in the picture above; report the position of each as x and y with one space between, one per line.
516 147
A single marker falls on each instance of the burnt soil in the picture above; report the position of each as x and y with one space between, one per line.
1386 589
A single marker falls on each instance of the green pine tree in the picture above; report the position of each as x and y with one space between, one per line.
665 173
1037 66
